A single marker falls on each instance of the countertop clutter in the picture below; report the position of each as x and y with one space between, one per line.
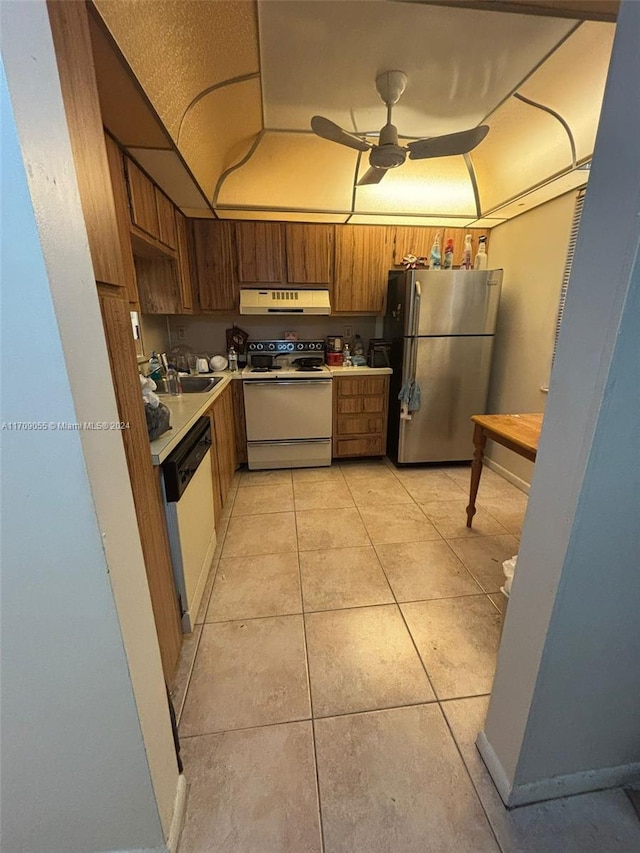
187 408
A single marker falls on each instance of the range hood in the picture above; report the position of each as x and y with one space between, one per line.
278 301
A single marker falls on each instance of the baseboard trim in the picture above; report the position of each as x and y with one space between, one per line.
179 811
504 472
556 787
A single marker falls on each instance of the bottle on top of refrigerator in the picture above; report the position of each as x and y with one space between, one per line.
480 262
233 359
434 256
466 253
448 255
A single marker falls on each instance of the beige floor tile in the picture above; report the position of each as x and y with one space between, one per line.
221 532
500 600
362 659
484 555
588 823
369 469
183 670
252 792
322 494
378 492
393 782
450 519
343 577
264 478
312 475
206 595
401 523
458 641
327 528
274 533
266 585
262 499
425 485
247 673
509 511
421 570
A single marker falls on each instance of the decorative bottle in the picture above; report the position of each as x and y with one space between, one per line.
346 357
448 255
434 256
174 386
233 360
466 253
480 262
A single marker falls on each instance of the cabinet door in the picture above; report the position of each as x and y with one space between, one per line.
260 252
309 250
225 440
121 200
184 263
215 265
239 422
142 198
166 220
416 241
363 259
70 31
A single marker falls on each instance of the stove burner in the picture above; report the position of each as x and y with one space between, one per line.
308 369
266 369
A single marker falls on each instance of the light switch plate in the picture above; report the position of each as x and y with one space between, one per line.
348 332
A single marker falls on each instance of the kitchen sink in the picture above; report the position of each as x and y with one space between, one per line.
192 384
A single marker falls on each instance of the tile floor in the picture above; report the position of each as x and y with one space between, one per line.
330 695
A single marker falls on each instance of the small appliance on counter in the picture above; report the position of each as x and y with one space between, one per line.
379 354
334 351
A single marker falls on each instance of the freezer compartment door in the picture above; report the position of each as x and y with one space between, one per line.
453 374
456 302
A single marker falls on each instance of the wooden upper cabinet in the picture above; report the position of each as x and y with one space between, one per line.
260 252
309 253
185 271
121 200
72 42
142 198
415 241
214 251
166 220
363 259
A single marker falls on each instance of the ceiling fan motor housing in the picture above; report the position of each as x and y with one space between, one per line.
387 156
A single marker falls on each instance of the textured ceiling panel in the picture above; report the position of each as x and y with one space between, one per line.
566 183
293 171
437 187
572 82
219 130
178 49
524 147
125 111
323 57
384 219
168 171
283 216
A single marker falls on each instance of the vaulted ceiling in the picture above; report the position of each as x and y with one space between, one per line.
214 99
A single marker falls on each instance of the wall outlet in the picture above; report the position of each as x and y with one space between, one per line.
180 333
348 332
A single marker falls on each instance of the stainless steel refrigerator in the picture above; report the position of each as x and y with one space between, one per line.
441 324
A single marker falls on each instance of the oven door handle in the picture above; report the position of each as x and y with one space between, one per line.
294 442
276 382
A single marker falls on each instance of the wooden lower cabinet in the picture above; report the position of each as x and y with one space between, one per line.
360 408
239 422
224 444
145 482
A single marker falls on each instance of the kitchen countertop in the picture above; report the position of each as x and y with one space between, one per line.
187 408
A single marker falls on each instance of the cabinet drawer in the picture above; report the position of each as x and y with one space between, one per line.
359 385
365 446
359 424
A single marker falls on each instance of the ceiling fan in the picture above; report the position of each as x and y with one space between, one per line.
388 154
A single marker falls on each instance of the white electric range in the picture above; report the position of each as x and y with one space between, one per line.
288 405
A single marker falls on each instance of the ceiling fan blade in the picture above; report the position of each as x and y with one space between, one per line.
448 145
330 130
372 176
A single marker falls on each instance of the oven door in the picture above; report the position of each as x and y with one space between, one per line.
288 409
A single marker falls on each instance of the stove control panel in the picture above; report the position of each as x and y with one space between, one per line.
285 346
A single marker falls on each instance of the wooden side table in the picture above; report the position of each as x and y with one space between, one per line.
519 433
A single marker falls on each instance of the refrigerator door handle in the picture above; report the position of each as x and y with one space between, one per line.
417 298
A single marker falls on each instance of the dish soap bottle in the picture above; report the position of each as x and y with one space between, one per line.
346 357
155 368
174 387
448 255
358 346
233 360
466 253
480 262
434 257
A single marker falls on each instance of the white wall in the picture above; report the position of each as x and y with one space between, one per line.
88 758
563 716
532 250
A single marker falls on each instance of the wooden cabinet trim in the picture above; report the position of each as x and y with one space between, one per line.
360 410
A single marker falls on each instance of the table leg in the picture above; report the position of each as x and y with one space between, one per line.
479 441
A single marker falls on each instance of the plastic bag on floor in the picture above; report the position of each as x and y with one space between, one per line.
508 567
